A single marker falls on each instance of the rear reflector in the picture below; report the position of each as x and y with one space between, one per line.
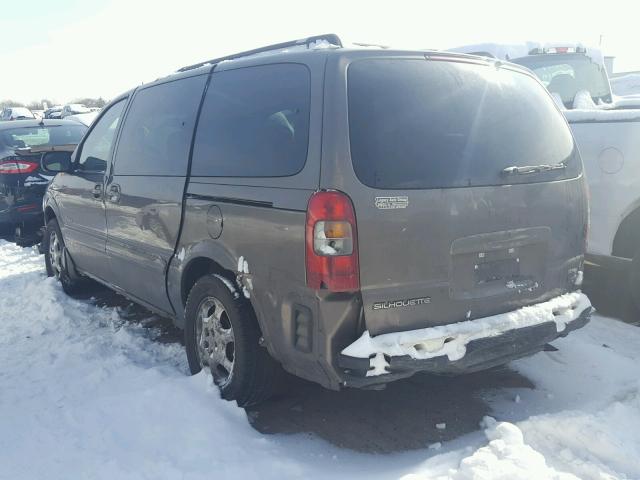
332 243
17 167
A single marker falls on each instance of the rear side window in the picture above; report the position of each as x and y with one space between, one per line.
254 123
156 135
437 124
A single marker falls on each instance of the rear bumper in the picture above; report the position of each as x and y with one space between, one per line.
463 347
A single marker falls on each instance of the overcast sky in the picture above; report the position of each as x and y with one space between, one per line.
66 49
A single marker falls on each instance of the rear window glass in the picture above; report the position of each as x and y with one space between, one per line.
437 124
254 123
25 137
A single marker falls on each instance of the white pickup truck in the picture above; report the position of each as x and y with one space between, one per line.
607 130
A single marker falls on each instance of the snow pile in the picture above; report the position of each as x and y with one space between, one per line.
630 101
86 394
592 388
626 84
592 444
451 340
17 260
506 457
583 101
586 110
601 115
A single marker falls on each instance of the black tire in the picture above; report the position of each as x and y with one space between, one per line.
57 267
255 376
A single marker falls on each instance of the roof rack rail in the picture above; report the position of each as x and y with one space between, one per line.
332 38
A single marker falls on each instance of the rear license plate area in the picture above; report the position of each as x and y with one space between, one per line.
500 263
497 271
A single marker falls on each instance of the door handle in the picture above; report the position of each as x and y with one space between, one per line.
114 193
97 190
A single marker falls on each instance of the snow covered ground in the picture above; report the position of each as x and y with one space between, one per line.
86 394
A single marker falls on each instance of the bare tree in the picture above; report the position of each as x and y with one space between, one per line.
92 102
10 103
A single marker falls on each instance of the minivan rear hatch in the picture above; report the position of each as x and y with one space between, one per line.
469 197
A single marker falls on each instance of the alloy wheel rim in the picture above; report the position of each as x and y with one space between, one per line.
55 254
216 340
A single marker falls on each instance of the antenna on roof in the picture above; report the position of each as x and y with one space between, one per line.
331 38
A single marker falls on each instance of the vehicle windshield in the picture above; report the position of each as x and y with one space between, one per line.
568 74
415 123
42 136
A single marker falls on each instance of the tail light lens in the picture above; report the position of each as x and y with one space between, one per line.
18 166
332 243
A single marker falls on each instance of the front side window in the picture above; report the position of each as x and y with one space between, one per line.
254 123
156 136
94 156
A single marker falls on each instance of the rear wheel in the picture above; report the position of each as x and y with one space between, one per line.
222 336
54 257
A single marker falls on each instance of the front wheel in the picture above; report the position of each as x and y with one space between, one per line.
222 336
54 257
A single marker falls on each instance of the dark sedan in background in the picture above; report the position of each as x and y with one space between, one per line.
22 183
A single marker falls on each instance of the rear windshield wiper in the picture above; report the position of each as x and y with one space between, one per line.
527 169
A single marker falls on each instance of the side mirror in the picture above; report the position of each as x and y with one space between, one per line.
55 162
94 164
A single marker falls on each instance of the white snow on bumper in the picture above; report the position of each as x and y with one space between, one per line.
451 340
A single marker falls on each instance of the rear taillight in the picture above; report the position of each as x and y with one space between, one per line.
332 243
18 166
